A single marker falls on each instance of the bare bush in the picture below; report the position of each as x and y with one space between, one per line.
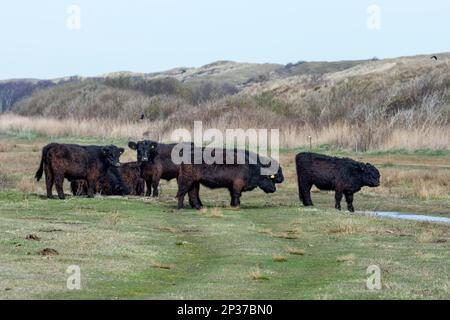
151 87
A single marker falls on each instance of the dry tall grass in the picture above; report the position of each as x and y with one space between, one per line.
338 135
431 184
14 124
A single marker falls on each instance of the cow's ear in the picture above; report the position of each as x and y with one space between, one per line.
121 150
132 145
266 165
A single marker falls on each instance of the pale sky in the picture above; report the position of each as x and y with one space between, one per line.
155 35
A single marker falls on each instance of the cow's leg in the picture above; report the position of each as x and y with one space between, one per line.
49 181
235 197
134 190
194 195
148 184
338 198
191 199
349 200
197 194
183 188
140 187
59 181
91 188
194 198
84 188
304 192
180 195
75 186
155 184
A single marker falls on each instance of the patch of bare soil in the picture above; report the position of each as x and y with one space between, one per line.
48 252
33 237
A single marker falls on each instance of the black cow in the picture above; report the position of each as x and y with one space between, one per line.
75 162
156 163
345 176
132 178
235 177
108 185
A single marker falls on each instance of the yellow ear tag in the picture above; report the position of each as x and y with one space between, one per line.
272 177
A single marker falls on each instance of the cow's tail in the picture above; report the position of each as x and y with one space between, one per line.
40 171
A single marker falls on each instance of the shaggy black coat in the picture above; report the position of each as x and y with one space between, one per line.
75 162
343 175
155 165
237 178
109 185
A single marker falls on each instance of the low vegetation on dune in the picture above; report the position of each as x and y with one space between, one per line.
12 91
355 105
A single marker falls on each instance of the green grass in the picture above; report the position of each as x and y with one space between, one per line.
423 152
117 241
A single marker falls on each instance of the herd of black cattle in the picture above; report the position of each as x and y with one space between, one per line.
97 169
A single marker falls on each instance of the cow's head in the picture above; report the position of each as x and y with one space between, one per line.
270 167
121 189
146 150
115 182
278 177
267 184
112 155
370 175
256 179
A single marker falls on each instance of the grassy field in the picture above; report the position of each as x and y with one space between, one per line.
272 248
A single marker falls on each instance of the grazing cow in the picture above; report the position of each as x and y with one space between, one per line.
345 176
156 163
108 185
75 162
237 178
